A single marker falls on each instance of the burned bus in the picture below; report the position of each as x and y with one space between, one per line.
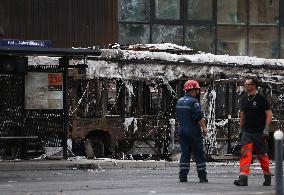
123 104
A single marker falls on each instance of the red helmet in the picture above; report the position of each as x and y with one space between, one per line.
191 84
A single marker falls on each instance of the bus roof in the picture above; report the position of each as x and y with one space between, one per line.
174 53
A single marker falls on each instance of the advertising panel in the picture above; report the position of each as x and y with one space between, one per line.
43 90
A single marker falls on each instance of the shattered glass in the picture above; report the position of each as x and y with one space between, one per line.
200 10
167 9
231 40
231 11
263 42
134 33
167 34
200 38
134 10
264 11
282 42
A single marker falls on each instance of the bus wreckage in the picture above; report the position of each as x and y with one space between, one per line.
123 104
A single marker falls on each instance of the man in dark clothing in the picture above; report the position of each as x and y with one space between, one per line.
190 120
255 119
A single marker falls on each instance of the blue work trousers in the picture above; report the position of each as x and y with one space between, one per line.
191 143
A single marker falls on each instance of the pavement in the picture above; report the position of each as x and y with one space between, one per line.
104 163
131 181
21 165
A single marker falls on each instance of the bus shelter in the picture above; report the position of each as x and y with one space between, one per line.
33 99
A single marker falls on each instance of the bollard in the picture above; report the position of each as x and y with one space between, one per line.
278 137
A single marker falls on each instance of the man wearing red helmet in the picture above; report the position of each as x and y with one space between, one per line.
191 128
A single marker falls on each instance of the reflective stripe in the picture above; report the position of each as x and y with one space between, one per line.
201 164
245 166
264 162
184 168
187 107
201 168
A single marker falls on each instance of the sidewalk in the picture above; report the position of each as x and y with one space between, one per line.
21 165
17 165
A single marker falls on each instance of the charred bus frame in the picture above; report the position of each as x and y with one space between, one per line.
131 110
122 106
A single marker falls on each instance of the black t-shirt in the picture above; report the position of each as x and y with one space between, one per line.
254 108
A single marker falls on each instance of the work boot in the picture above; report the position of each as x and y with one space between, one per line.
242 181
202 176
203 180
182 179
267 180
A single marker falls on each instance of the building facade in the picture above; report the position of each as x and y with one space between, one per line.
234 27
67 23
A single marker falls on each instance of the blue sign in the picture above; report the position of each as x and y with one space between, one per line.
25 43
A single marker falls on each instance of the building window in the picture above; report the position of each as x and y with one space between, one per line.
231 40
281 13
243 27
264 11
200 38
167 34
232 12
200 10
134 33
282 42
134 10
167 9
263 42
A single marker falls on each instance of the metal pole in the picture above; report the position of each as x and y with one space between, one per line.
227 103
229 135
278 136
64 62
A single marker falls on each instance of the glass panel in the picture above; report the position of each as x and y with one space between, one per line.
264 11
167 9
167 34
134 10
231 11
200 38
282 42
263 42
134 33
199 10
282 13
231 40
155 99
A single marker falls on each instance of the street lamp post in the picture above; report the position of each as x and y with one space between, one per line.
278 136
